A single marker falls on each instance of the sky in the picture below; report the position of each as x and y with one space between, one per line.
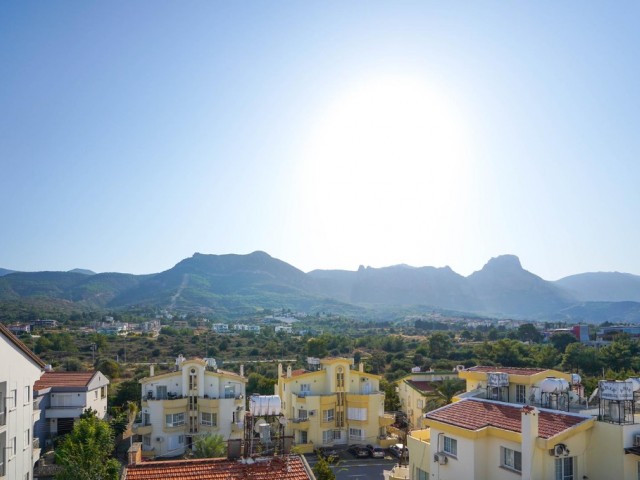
329 134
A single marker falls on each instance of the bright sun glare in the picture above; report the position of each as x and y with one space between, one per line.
389 153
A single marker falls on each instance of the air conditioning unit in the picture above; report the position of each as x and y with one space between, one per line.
440 458
160 439
312 413
636 440
559 450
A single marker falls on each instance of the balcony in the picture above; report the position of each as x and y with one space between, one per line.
386 419
64 411
301 422
140 429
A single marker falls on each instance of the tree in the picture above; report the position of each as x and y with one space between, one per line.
85 453
209 446
322 470
562 339
444 393
391 398
527 332
439 345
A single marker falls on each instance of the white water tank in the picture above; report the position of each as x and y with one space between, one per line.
261 405
576 379
635 381
554 385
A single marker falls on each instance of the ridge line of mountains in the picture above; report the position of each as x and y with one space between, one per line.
233 285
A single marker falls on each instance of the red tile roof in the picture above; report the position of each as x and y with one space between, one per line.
473 414
64 379
21 346
421 386
509 370
281 468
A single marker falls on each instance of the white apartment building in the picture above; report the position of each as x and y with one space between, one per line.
195 399
63 396
21 368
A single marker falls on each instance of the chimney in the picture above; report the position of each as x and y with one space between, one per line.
135 453
242 370
151 370
361 367
279 370
529 417
288 371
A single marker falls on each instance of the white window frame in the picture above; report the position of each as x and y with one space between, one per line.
354 413
521 394
27 436
27 394
566 468
328 415
356 433
511 459
13 447
421 474
211 422
13 404
303 414
450 446
174 420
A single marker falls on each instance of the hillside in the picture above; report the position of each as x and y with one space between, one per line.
234 285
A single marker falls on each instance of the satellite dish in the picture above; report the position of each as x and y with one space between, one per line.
283 420
260 422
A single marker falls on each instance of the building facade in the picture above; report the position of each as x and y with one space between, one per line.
332 403
195 399
18 449
414 390
63 396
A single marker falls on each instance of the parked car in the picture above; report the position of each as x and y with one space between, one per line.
359 451
399 450
375 452
330 454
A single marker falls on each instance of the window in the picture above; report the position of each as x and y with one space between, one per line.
175 420
305 389
521 394
146 440
103 392
420 404
340 377
511 459
27 436
450 446
421 474
303 436
13 399
161 392
96 394
303 414
340 419
13 447
356 434
356 413
229 391
209 419
146 419
565 468
330 436
328 415
3 452
27 394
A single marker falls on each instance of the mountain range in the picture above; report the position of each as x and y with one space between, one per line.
232 285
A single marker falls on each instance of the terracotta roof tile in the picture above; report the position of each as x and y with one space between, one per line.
509 370
423 386
283 468
64 379
473 414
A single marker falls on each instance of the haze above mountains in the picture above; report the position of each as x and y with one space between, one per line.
232 285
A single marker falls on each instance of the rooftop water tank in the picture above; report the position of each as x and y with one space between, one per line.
260 405
554 385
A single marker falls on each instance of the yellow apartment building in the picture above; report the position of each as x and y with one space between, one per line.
332 403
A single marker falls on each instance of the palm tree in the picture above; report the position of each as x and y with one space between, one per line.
444 393
209 446
132 413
